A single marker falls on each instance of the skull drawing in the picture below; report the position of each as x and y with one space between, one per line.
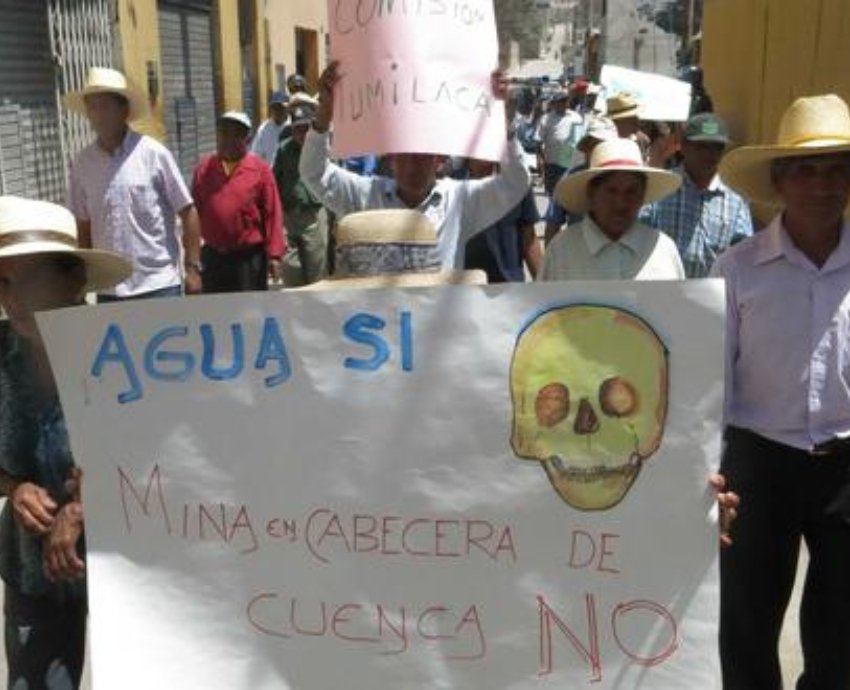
589 388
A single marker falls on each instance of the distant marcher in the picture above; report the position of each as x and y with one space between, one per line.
241 216
268 135
125 191
787 443
559 132
42 559
504 249
599 129
306 233
700 100
458 209
624 110
704 217
610 243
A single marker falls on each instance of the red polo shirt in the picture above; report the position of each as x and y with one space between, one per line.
240 210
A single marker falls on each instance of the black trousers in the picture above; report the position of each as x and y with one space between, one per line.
242 270
786 495
45 642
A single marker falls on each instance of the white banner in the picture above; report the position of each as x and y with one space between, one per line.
661 98
462 487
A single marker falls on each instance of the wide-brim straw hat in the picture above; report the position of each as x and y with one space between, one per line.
30 228
614 155
811 126
621 106
408 234
106 80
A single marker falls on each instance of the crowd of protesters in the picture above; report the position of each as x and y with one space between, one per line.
627 199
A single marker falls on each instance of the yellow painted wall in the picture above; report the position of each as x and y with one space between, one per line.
282 18
228 58
138 32
758 55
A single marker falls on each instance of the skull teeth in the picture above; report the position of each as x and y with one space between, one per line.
592 474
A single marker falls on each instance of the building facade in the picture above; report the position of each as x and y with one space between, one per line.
760 55
193 58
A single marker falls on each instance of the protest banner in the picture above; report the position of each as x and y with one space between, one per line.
416 78
458 487
661 98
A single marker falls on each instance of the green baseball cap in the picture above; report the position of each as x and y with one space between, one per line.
707 127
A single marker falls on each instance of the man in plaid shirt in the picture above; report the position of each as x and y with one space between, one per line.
705 216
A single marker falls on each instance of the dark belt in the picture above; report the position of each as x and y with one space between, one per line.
835 446
831 448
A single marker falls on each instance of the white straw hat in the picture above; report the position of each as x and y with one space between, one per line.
106 80
390 248
29 227
811 126
614 155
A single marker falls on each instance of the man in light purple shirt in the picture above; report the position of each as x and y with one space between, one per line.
787 452
126 192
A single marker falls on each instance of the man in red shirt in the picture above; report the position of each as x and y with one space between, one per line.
241 215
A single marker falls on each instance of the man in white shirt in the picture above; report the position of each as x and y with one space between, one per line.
126 190
559 133
267 138
457 208
787 450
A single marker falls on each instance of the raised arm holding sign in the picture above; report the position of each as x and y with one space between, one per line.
457 209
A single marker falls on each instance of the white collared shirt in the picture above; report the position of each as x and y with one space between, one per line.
131 197
788 339
583 252
457 208
266 140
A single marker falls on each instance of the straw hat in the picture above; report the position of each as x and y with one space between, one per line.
600 128
614 155
106 80
29 227
390 248
812 126
622 105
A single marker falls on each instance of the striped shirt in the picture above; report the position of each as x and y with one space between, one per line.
131 198
702 222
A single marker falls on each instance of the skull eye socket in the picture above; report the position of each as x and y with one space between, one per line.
552 404
617 397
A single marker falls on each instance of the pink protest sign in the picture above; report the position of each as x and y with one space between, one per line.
416 77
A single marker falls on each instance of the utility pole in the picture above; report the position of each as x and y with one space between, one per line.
689 31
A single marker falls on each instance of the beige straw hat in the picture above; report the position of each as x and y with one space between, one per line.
29 227
812 126
614 155
106 80
622 105
390 248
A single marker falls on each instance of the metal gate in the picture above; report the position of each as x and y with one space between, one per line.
46 47
31 161
82 35
186 43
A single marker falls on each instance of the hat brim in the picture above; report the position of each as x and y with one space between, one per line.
747 169
76 100
400 280
571 190
104 269
624 114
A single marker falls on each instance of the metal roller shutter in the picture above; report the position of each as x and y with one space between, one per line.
188 82
31 161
